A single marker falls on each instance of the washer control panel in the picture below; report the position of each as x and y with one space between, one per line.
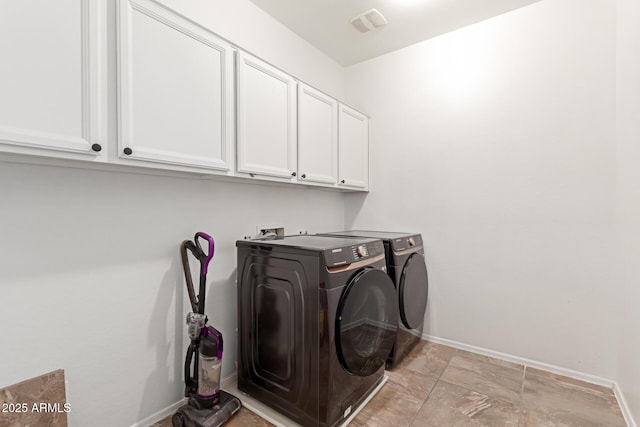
353 253
360 251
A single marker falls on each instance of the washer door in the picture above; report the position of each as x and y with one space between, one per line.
413 291
366 322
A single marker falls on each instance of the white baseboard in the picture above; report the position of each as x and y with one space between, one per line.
171 409
626 412
160 415
230 381
257 407
278 419
593 379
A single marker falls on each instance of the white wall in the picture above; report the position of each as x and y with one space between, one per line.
91 279
628 199
497 143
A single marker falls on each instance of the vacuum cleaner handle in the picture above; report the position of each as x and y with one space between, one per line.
205 257
197 304
188 245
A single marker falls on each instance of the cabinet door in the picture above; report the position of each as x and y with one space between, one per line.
266 119
176 89
52 91
353 151
317 136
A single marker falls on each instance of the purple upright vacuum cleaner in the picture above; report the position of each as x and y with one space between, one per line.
207 405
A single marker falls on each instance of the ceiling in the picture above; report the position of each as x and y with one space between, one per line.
326 23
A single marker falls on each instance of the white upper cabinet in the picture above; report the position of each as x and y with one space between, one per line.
266 112
186 99
52 78
317 136
176 89
353 154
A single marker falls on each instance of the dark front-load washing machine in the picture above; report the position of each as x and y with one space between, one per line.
317 319
406 266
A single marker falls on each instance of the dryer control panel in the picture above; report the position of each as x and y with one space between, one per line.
353 253
407 242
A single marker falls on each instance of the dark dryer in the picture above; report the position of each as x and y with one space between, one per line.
406 266
317 319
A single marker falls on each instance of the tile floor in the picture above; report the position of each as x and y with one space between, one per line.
439 386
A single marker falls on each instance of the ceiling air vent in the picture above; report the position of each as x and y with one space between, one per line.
369 20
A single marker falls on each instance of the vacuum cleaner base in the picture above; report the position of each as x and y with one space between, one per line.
188 416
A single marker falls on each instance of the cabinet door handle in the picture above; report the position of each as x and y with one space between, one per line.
293 174
96 147
128 151
304 175
342 181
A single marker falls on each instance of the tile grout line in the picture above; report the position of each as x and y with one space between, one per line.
423 402
431 391
524 410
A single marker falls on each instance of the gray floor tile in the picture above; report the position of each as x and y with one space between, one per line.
427 358
439 386
568 381
246 418
550 401
482 358
392 406
416 384
242 418
452 405
485 377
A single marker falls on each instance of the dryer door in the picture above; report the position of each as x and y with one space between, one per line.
366 322
413 291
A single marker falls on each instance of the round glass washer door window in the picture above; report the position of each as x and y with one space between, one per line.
366 322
